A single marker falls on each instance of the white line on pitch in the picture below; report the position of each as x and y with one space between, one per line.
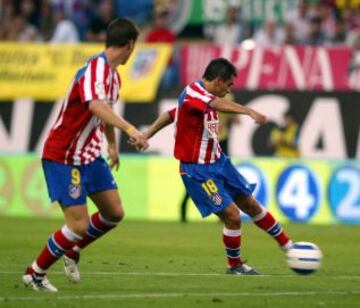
170 295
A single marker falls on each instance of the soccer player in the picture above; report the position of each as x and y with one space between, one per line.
209 177
72 161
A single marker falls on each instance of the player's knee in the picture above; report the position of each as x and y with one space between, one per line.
233 224
117 214
232 220
80 227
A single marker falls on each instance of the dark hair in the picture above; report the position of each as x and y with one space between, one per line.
219 68
120 31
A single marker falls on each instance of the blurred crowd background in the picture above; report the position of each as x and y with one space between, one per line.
265 23
251 23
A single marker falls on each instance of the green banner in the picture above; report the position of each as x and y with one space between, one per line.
254 11
303 191
204 12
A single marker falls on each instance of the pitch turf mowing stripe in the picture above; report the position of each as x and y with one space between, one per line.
170 295
186 274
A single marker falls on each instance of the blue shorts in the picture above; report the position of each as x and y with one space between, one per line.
70 185
215 186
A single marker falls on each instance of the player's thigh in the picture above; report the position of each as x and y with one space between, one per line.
109 204
230 217
208 194
248 205
76 218
235 183
102 190
99 177
65 183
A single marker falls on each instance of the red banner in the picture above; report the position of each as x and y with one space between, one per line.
278 68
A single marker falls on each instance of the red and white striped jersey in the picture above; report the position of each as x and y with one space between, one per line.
75 138
196 126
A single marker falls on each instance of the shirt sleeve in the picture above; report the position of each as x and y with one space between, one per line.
197 97
197 104
92 83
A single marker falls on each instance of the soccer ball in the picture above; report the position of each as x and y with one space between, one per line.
304 258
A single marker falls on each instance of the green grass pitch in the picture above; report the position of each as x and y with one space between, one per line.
163 264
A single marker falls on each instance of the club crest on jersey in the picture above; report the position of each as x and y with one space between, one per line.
212 128
74 191
216 199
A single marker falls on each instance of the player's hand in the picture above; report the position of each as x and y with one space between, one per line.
113 157
138 140
146 134
258 117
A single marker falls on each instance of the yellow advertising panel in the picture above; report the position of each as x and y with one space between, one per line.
44 71
141 76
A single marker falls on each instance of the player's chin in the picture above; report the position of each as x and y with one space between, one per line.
125 60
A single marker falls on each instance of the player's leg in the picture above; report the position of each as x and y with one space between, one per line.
210 197
102 189
109 215
241 191
76 224
183 207
65 185
232 241
230 216
263 219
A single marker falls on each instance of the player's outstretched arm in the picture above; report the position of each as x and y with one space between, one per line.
226 105
106 114
162 121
